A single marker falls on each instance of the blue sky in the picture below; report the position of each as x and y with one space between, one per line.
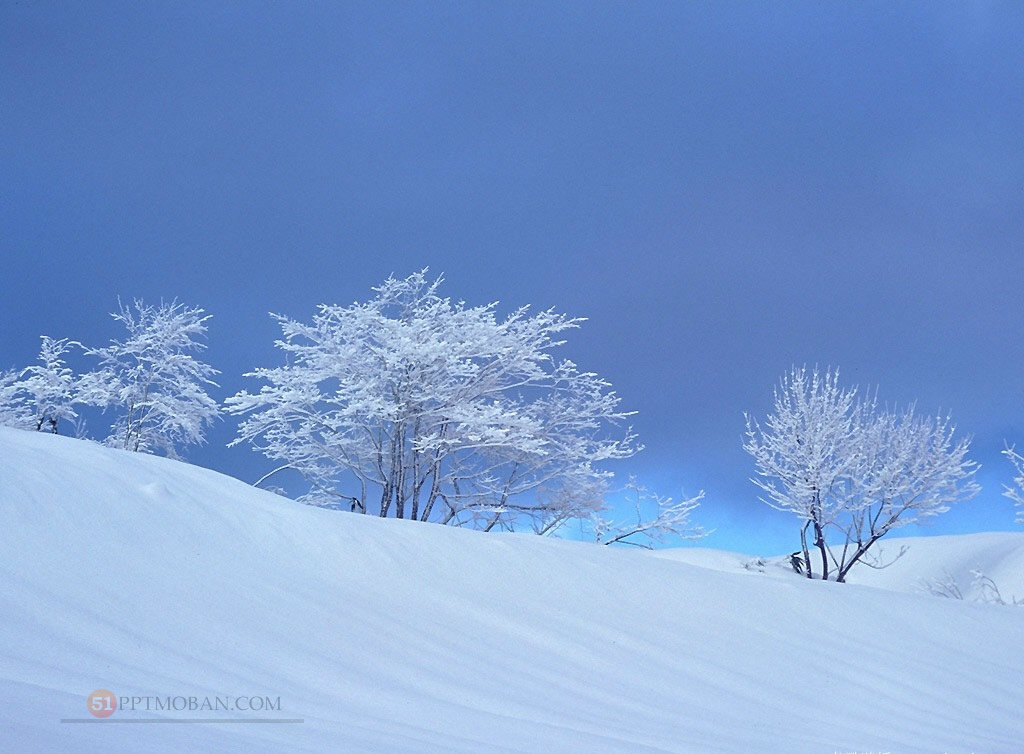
724 189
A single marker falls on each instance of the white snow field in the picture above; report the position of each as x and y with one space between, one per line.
927 565
149 577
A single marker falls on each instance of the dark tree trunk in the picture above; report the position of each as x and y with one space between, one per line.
861 550
808 570
819 541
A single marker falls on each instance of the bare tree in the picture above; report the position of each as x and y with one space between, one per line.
947 587
847 468
989 591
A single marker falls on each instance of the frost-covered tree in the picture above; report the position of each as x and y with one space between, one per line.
13 411
804 453
49 387
848 469
910 468
152 380
414 406
670 517
1016 491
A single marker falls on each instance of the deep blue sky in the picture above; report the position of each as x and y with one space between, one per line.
723 188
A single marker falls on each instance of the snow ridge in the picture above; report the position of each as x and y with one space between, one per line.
147 576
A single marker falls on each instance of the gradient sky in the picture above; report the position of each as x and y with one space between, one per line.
723 188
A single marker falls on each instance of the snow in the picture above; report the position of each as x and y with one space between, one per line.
929 560
926 563
147 576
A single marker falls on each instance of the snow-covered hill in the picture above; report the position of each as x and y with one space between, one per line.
148 577
943 565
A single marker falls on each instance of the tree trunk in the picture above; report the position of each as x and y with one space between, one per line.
808 571
861 549
819 541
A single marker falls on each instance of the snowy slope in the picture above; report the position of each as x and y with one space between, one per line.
929 561
149 577
927 564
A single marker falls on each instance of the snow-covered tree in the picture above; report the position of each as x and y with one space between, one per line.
670 518
1016 491
49 387
846 468
910 468
805 451
414 406
13 411
152 379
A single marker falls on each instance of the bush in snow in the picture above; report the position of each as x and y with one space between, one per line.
847 468
414 406
985 588
152 380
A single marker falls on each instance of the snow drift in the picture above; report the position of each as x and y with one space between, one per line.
149 577
914 565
